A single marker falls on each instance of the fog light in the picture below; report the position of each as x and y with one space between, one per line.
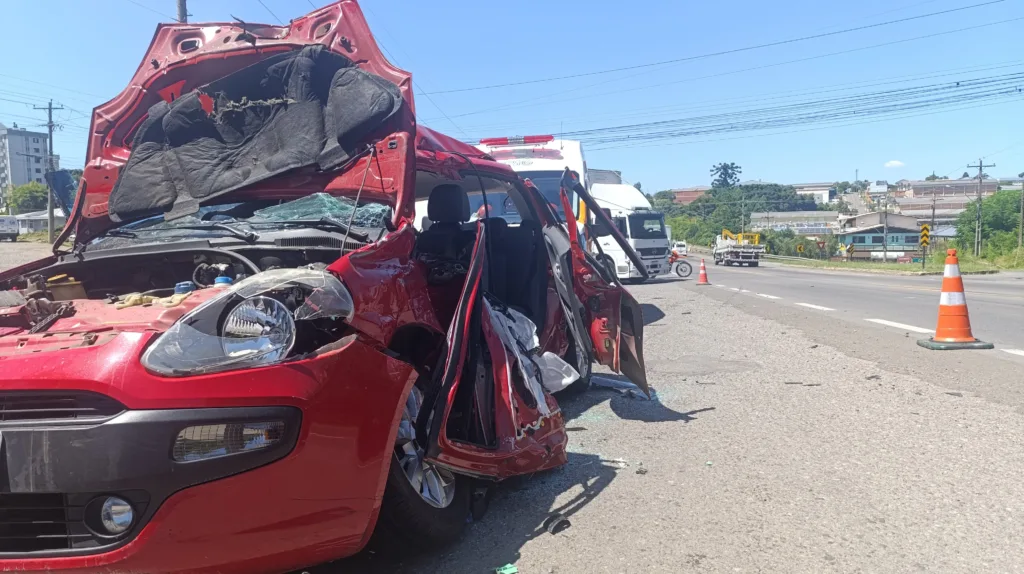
116 515
214 441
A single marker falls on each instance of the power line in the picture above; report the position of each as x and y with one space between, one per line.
62 88
587 95
153 10
813 129
784 95
279 21
421 92
827 110
720 53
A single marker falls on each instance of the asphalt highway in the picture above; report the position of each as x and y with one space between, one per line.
782 438
904 303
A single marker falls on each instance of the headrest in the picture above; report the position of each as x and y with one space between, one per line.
448 203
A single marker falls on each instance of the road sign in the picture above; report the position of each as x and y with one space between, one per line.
849 249
821 245
800 248
926 231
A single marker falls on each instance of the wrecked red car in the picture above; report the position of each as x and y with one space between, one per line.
249 359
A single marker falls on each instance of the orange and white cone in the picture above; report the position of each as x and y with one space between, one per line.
703 278
954 327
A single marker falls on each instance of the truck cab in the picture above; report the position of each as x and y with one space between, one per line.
645 229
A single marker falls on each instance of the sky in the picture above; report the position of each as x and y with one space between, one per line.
91 49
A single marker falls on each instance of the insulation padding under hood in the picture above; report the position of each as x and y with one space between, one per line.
310 107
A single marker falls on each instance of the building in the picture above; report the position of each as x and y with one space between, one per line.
688 195
822 192
878 189
814 223
947 209
22 159
873 235
946 187
36 221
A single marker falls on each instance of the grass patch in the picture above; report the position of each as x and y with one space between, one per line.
35 237
934 264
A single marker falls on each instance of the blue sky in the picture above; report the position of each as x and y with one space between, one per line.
91 49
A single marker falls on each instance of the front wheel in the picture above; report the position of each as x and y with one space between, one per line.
424 506
682 269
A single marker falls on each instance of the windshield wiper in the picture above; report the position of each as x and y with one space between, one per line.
121 233
325 222
249 236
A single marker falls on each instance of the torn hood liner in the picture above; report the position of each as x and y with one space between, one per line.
310 107
228 111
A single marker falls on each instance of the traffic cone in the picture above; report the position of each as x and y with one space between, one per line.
954 328
703 279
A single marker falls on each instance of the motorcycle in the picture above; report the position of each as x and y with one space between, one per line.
679 265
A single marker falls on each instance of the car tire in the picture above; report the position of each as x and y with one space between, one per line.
584 367
409 524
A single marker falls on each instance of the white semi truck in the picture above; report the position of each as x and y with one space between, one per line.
645 229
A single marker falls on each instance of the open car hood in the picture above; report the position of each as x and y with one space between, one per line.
250 110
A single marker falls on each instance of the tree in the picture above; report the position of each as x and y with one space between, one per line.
664 201
965 176
725 174
1000 216
28 197
839 205
638 186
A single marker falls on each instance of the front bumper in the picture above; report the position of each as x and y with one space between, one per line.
55 472
655 267
313 499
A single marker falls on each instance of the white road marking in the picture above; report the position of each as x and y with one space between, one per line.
717 285
900 326
733 289
744 290
1017 352
818 307
767 296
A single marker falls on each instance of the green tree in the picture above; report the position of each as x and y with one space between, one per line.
725 174
28 197
839 205
638 186
665 202
1000 217
934 177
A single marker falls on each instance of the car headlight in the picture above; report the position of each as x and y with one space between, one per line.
251 324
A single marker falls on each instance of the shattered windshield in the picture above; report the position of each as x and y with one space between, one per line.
242 219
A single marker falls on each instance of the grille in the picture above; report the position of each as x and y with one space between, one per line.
34 523
39 522
309 242
56 405
652 251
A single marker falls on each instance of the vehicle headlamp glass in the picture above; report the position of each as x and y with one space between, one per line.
251 324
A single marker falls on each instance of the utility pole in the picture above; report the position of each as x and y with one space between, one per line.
182 12
885 229
1020 225
977 225
50 167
